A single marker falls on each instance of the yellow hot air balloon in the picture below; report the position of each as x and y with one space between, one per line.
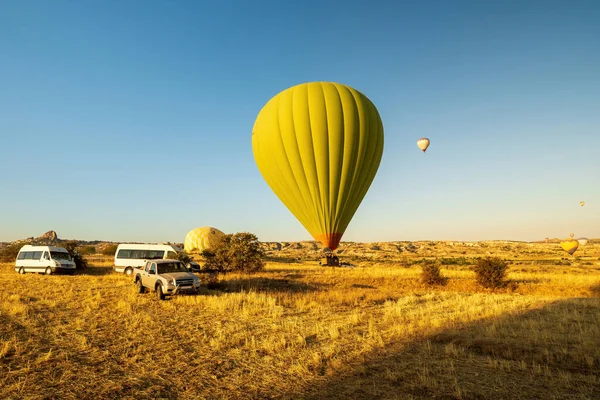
570 246
200 239
571 234
582 203
423 144
318 145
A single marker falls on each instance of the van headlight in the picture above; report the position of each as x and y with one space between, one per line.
171 281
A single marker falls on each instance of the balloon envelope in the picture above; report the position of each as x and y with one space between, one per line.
582 241
423 144
571 234
570 246
582 203
318 146
200 239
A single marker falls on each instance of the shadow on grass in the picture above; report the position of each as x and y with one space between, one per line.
96 270
526 355
266 285
282 260
595 290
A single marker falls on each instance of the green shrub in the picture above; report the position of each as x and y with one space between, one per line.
80 261
491 272
239 252
86 250
110 250
10 252
430 274
183 257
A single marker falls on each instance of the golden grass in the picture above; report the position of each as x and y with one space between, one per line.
302 331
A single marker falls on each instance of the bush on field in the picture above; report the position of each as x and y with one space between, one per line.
86 250
10 252
110 250
183 257
80 262
431 274
491 272
239 252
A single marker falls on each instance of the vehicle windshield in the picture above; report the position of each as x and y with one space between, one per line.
165 268
59 255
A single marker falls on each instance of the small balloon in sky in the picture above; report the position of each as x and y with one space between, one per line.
423 144
582 203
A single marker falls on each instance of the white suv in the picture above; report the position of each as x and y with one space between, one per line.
166 277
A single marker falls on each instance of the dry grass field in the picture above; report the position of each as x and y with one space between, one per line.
301 331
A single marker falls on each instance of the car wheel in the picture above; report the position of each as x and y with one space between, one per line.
128 271
140 287
159 292
48 271
22 271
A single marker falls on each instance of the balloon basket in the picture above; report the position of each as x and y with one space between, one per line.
329 260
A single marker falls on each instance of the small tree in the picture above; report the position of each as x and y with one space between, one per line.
110 250
10 252
430 273
80 262
491 272
86 250
239 252
183 257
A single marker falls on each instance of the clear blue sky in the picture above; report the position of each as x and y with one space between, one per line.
132 120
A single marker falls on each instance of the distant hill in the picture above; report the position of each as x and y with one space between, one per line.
311 250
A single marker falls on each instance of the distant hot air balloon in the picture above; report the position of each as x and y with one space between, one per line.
200 239
318 145
546 240
423 144
582 241
570 246
582 203
571 234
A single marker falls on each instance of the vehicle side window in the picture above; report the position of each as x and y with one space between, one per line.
21 255
147 267
171 255
124 254
37 255
154 254
153 267
46 256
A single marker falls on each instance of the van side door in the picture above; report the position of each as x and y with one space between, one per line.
37 260
46 259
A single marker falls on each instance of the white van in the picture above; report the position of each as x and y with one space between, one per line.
129 256
44 259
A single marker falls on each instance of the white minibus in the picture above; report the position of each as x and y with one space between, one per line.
129 255
44 259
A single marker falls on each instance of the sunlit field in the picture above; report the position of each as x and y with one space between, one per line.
298 330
